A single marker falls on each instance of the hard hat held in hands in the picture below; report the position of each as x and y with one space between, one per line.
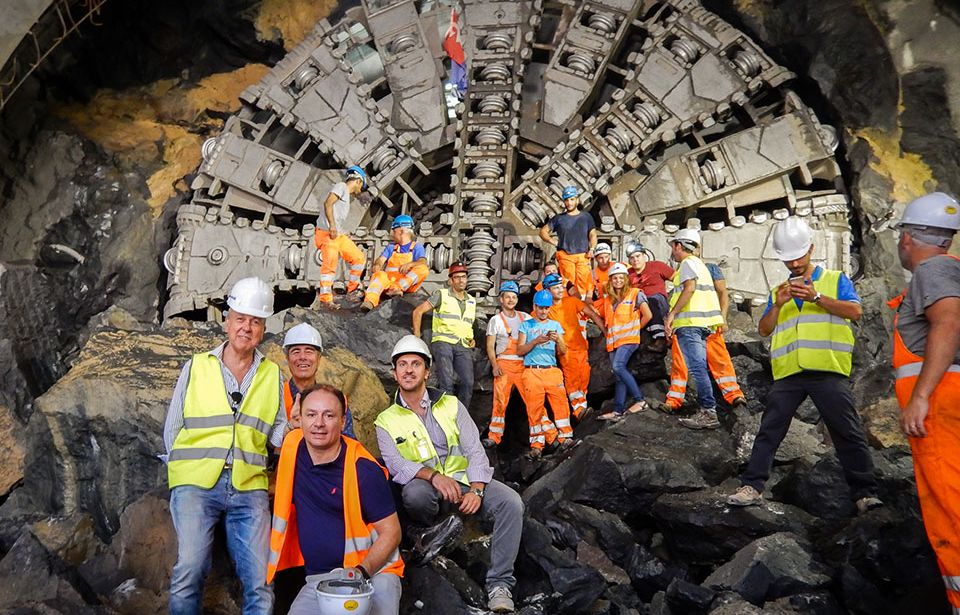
251 296
792 238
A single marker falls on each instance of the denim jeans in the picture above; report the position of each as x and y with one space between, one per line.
449 359
246 515
693 346
626 383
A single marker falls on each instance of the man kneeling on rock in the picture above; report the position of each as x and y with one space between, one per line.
333 512
432 448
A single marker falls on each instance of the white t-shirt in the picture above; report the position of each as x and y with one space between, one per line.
496 327
341 209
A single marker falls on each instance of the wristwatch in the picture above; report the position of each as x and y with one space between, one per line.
477 492
817 298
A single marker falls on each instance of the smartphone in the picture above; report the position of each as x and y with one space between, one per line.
795 278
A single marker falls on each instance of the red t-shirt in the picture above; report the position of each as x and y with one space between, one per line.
651 279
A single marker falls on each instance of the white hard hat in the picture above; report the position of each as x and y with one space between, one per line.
792 238
687 236
303 333
346 596
934 210
602 248
411 344
617 268
251 296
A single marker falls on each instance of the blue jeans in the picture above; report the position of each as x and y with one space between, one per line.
693 346
195 513
449 359
625 380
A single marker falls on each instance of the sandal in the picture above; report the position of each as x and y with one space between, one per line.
640 406
610 416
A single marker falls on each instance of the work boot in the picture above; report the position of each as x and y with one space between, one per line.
534 454
739 402
668 409
567 444
745 496
705 419
868 503
317 303
366 306
437 539
488 443
500 600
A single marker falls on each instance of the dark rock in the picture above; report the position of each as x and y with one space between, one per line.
595 558
602 529
432 591
146 545
927 123
769 568
802 439
730 603
812 603
590 476
818 487
31 574
686 597
649 573
471 592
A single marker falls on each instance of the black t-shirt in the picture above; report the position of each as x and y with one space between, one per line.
573 231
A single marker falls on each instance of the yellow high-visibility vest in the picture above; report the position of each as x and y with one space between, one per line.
812 338
449 325
703 309
210 429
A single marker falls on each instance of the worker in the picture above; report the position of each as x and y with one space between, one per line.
576 237
540 343
227 407
694 315
333 243
570 312
718 357
302 346
333 511
400 268
453 340
926 358
432 448
503 330
549 267
811 353
624 313
650 276
602 259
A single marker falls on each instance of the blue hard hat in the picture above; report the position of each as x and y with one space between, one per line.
570 192
510 287
552 279
402 221
543 298
355 171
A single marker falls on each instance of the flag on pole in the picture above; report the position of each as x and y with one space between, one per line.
453 45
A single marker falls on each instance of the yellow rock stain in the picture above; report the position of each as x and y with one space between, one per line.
290 20
909 175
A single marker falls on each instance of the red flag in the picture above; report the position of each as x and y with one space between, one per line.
452 43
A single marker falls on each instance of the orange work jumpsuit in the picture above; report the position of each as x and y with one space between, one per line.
331 250
540 383
390 276
575 365
936 463
576 268
719 364
511 364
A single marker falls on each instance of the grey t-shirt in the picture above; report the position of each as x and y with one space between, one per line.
933 279
340 209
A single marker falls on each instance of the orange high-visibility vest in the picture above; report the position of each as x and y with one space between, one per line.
287 398
397 259
623 324
358 536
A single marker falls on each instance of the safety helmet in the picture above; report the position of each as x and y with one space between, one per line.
251 296
411 344
551 280
569 192
510 286
633 247
355 172
303 333
792 238
617 268
602 248
346 596
934 210
543 298
457 267
402 221
688 237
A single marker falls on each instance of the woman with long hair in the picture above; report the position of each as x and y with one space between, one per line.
625 312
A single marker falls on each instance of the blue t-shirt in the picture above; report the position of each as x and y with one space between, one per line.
573 232
845 290
418 251
715 272
348 426
545 354
318 498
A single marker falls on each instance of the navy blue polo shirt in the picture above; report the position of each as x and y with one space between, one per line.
318 498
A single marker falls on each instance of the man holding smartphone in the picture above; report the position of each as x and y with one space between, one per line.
811 353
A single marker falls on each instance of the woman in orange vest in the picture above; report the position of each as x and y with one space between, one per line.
326 481
625 313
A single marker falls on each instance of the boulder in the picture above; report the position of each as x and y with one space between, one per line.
14 449
881 422
71 538
686 597
730 603
427 591
802 439
32 574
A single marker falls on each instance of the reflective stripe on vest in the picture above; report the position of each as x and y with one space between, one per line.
703 309
210 430
811 338
449 325
622 323
413 442
358 536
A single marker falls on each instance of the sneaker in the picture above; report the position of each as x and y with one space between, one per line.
500 600
437 539
488 443
705 419
739 402
534 454
366 306
868 503
745 496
